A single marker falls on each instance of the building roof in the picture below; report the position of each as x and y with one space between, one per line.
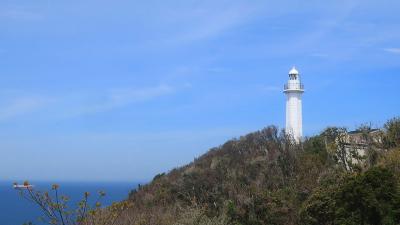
294 71
360 131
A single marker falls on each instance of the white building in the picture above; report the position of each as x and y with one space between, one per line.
294 90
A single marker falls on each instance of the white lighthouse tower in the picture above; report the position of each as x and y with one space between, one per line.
294 90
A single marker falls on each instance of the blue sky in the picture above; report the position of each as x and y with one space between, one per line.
122 90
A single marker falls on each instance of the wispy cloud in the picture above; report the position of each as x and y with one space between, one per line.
127 96
319 55
392 50
116 98
21 106
271 88
208 20
312 38
13 104
214 24
16 14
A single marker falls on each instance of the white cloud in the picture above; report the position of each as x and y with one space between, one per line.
392 50
319 55
14 104
271 88
127 96
215 24
114 98
15 14
21 106
209 19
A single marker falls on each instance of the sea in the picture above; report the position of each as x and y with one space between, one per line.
15 210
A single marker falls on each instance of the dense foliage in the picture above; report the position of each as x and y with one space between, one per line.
267 178
368 198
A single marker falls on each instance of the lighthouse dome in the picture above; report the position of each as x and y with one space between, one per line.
293 71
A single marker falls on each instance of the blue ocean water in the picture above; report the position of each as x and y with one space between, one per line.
14 210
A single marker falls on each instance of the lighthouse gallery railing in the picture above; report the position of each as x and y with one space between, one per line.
293 86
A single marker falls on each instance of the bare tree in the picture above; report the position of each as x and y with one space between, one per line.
57 211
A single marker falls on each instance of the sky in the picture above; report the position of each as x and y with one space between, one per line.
96 90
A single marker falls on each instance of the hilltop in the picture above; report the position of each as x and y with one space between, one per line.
262 178
266 178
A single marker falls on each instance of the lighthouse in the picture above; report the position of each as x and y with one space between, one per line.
293 90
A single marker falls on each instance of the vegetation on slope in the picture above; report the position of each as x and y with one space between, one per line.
266 178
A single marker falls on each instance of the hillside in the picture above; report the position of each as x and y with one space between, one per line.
265 178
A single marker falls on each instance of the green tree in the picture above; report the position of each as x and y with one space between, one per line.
371 198
392 129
